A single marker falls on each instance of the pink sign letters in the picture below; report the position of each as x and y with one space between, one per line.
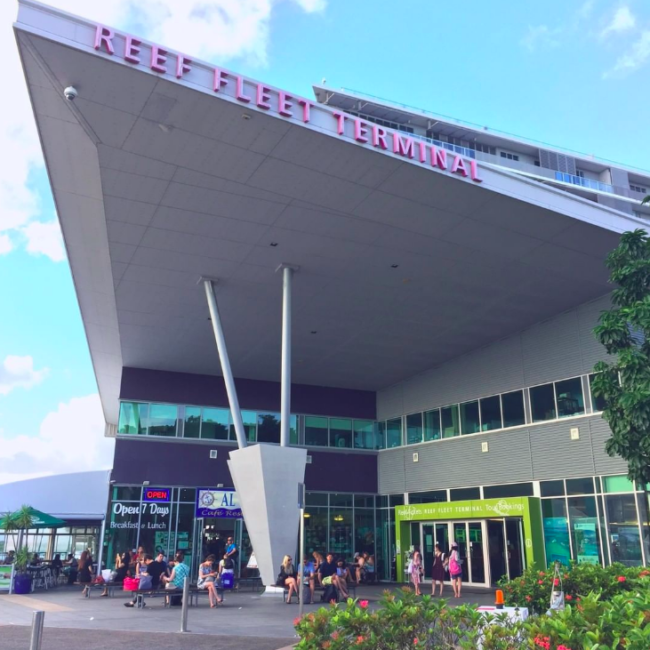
288 106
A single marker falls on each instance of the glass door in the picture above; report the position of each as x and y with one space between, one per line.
515 547
460 537
427 537
497 550
442 537
476 552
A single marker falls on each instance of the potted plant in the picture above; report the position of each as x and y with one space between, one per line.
15 523
22 579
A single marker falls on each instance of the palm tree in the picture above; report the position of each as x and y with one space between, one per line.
15 522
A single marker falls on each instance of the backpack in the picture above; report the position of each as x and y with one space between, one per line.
454 566
228 564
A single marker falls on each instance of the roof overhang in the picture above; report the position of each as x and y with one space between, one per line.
159 180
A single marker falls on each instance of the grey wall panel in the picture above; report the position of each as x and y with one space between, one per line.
391 402
555 455
600 432
551 350
390 470
592 350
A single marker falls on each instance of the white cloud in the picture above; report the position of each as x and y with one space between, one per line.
45 239
214 29
636 56
622 21
19 372
6 246
70 439
541 36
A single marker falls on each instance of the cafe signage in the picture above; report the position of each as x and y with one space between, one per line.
157 495
463 509
217 503
137 52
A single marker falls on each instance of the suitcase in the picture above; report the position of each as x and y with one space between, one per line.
330 595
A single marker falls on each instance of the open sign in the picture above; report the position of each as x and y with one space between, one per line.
158 495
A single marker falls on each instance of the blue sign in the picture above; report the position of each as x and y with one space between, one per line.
223 504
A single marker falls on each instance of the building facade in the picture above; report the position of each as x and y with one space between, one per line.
447 282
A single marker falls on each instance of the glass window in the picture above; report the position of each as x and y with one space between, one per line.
364 532
556 531
187 495
450 424
491 413
268 427
316 530
127 492
192 426
505 491
465 494
249 420
569 397
551 488
316 499
133 418
432 425
395 500
382 501
580 485
393 433
162 419
542 401
381 435
469 418
316 431
617 484
413 428
341 500
513 408
435 496
215 424
294 439
584 529
364 501
364 434
341 533
340 433
598 403
623 533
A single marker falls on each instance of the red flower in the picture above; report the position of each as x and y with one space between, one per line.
335 635
540 582
569 597
643 574
415 641
326 644
296 621
556 582
541 573
528 598
363 604
563 647
621 578
360 640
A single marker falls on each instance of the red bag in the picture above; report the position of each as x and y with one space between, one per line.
131 584
99 580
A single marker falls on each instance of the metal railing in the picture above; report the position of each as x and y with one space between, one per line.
589 183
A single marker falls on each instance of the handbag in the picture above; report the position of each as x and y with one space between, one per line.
227 580
131 584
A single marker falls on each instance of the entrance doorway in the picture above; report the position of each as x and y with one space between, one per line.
214 534
489 549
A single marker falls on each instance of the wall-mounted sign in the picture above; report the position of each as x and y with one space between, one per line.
217 503
156 495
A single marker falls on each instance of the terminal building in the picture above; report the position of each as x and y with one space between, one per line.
446 281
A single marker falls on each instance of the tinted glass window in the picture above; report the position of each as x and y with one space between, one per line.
490 413
617 484
464 494
569 397
268 427
162 419
215 424
316 499
340 433
381 435
413 428
469 418
513 408
552 488
133 418
542 401
394 433
598 403
504 491
436 496
316 431
364 501
395 500
364 434
450 424
580 485
192 424
432 425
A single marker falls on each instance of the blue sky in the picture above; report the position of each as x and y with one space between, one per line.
572 74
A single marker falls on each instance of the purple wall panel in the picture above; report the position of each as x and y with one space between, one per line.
207 390
186 464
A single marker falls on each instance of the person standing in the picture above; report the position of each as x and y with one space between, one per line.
85 574
416 570
455 570
438 570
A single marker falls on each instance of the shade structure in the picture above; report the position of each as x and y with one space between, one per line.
39 520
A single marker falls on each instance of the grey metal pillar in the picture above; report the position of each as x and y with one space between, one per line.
285 390
225 364
100 551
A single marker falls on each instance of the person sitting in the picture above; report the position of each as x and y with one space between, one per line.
157 569
287 578
343 572
56 565
318 560
142 572
309 576
360 568
36 560
10 558
71 568
329 576
177 577
119 573
369 568
207 579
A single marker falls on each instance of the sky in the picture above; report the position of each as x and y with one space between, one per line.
570 74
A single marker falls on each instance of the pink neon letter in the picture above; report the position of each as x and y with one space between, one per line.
219 79
360 131
379 137
459 167
240 91
158 58
284 104
182 65
306 105
340 121
403 146
473 167
132 49
423 151
263 97
104 35
438 158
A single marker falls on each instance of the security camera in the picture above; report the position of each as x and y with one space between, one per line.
70 93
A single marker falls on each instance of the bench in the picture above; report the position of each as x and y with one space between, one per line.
194 593
111 586
352 590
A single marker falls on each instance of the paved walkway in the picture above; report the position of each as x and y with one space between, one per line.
247 620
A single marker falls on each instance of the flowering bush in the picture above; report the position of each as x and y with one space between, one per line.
533 588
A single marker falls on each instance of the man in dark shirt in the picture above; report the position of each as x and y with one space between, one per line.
328 576
157 568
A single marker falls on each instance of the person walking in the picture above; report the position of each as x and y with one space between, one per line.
416 570
85 574
455 570
438 570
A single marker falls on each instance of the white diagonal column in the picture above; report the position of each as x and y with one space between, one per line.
225 363
285 377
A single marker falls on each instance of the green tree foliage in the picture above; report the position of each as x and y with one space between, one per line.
624 381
